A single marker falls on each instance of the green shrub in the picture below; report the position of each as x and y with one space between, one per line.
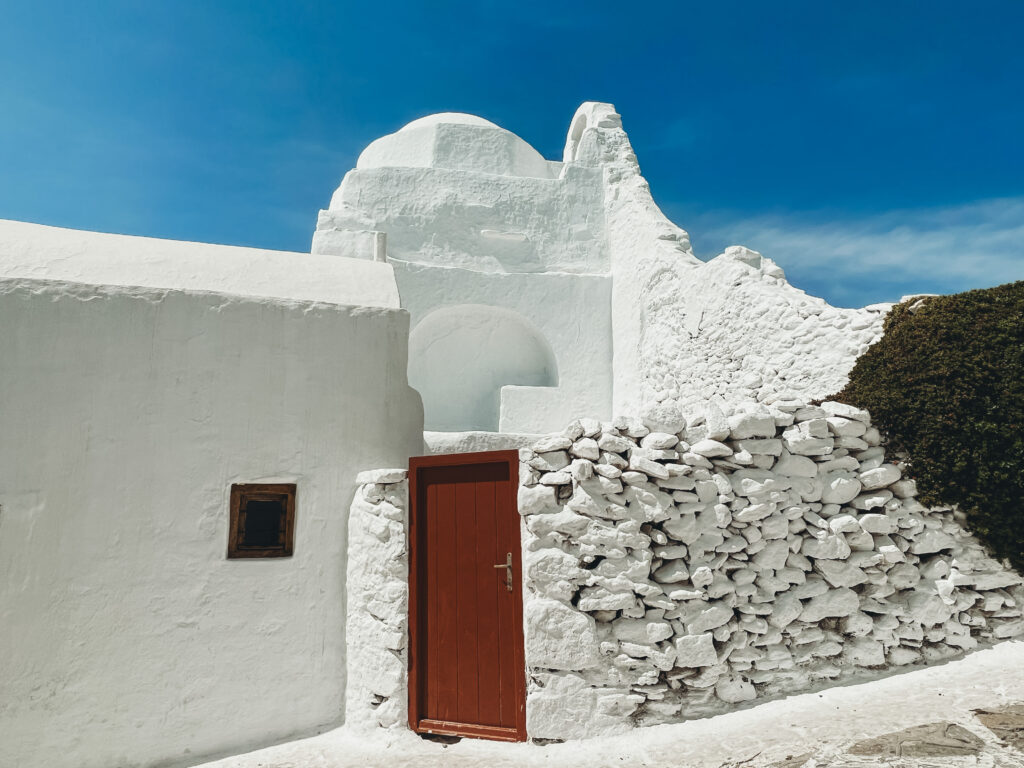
946 384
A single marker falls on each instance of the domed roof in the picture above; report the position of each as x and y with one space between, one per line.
455 141
449 118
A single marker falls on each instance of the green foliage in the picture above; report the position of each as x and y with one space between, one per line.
946 384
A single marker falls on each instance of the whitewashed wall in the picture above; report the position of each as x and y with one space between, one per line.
675 570
479 224
377 622
580 250
125 416
497 329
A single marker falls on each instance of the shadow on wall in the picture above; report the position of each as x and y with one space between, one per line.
461 356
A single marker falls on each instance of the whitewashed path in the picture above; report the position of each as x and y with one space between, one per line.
812 730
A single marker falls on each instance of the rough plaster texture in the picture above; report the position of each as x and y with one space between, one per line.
33 251
745 555
125 415
376 630
578 261
735 330
471 442
550 336
478 222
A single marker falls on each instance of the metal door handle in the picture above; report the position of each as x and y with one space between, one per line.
508 570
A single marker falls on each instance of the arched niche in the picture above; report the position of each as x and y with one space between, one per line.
572 141
461 356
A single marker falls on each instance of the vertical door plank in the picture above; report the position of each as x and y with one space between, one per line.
468 662
506 605
447 616
491 587
429 611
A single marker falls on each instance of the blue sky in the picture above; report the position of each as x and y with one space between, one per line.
871 149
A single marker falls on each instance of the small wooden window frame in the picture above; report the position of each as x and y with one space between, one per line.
244 492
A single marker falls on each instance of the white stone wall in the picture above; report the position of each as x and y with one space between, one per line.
501 260
126 636
675 570
377 608
734 330
349 276
581 253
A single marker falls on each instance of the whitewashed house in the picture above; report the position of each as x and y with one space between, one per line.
211 540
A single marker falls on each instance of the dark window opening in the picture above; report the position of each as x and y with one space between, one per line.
262 520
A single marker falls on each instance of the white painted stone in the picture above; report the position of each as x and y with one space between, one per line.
695 651
844 427
536 500
707 617
551 443
701 577
827 547
567 707
559 637
381 476
711 448
659 441
846 411
834 603
840 488
641 630
795 466
926 609
785 611
664 418
931 541
556 478
586 448
839 573
864 652
773 556
904 489
877 523
887 474
752 424
734 689
552 572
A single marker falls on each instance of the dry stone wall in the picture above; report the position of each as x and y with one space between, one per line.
674 569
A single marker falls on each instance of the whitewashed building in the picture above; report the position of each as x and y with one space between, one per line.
209 541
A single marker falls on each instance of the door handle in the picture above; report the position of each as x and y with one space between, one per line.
508 570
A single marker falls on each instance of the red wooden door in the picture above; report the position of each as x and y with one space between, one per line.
467 675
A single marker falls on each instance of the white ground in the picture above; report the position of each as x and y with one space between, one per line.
823 724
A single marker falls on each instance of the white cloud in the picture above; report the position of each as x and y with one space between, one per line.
880 257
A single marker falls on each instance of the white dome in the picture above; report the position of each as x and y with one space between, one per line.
448 118
455 141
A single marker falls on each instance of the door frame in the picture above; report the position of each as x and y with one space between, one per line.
416 524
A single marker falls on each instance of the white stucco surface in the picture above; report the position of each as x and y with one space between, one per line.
125 415
377 609
458 141
748 554
555 360
475 217
578 247
470 442
33 251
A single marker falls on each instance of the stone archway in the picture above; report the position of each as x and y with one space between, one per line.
461 356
